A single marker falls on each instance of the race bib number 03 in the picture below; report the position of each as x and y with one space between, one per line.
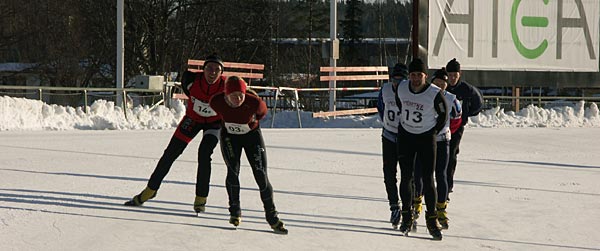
234 128
203 109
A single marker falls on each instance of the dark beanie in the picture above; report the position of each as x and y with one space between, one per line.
441 74
400 69
214 59
453 66
417 65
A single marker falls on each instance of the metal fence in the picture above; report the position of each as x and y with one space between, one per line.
279 98
84 97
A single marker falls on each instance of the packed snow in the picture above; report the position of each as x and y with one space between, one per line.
27 114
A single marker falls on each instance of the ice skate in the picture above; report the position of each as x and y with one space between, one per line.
395 218
417 207
407 221
139 199
433 226
442 214
272 217
199 204
279 228
235 213
235 221
415 219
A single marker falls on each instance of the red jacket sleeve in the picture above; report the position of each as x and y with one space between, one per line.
261 111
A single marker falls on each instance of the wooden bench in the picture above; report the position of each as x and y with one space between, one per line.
245 70
353 73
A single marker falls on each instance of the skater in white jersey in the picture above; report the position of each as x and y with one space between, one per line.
388 115
440 78
423 114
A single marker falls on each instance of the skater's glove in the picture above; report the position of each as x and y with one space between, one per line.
187 79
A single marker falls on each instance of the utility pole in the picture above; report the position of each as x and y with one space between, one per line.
415 29
334 51
120 51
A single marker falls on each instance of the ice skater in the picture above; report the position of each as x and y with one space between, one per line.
241 113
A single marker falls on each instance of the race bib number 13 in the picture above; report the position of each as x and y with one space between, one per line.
203 109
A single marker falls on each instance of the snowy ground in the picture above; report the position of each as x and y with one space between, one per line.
516 189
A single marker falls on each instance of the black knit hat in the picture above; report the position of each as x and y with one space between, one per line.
453 66
214 59
400 70
441 74
417 65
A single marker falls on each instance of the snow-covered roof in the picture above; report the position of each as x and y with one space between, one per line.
15 67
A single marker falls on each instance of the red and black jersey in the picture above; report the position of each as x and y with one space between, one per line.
200 93
249 113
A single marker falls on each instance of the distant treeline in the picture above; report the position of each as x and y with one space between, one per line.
73 42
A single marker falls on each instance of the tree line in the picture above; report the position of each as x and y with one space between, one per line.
72 42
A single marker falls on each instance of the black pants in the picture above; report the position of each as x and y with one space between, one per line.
253 144
441 164
390 168
409 146
187 130
453 156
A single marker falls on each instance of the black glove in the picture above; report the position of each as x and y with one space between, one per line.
187 79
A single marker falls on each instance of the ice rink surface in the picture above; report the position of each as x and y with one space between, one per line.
516 189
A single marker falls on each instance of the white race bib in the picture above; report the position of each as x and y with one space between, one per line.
235 128
203 109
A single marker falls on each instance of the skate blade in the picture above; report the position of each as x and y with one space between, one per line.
131 203
282 232
414 227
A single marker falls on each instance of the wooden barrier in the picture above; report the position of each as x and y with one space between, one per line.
344 112
353 73
244 70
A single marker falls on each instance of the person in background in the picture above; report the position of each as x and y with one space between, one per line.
440 78
241 113
389 115
199 116
423 115
472 103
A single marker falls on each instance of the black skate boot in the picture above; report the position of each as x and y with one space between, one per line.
407 221
235 220
139 199
442 214
433 226
395 216
200 204
235 217
279 228
273 219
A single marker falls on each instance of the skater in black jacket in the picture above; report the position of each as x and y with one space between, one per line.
472 102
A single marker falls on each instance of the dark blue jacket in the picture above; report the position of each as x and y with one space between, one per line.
470 97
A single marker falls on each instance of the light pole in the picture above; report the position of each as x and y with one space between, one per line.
120 51
334 51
